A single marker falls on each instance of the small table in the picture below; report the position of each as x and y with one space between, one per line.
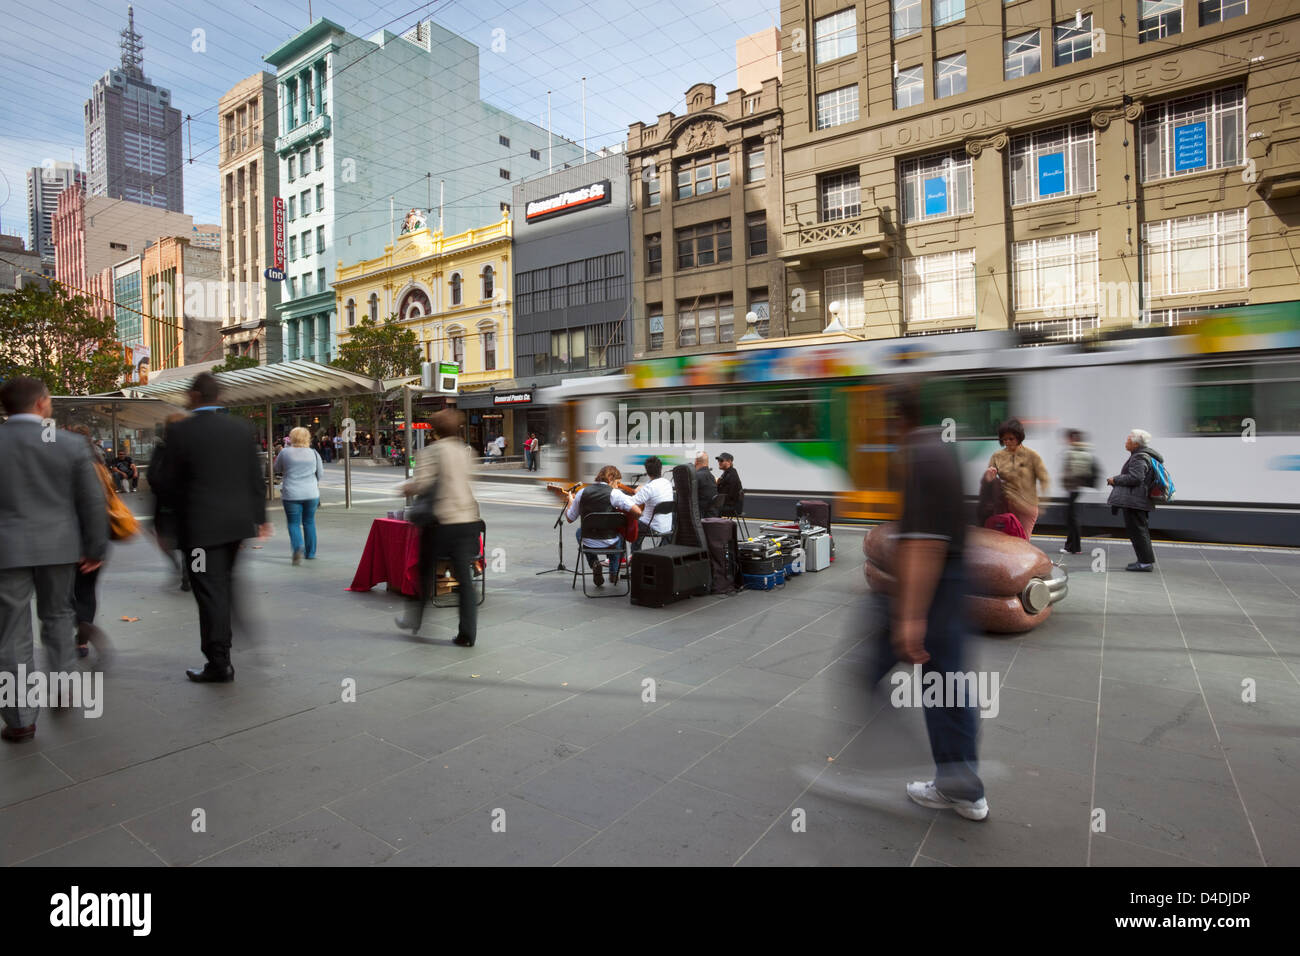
392 554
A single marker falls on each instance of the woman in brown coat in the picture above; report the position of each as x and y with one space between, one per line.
1022 471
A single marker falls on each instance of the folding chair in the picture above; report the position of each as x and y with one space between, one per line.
478 570
600 526
660 537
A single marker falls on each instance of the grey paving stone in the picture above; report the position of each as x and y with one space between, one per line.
243 808
590 792
1158 718
681 825
1041 730
28 777
767 776
112 846
318 838
1063 672
526 835
729 702
1108 851
656 746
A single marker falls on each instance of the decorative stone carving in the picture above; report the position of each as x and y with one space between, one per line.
998 141
699 135
414 220
1102 118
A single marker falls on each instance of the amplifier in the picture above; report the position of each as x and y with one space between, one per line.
669 573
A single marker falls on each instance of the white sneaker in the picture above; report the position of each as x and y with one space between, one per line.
926 794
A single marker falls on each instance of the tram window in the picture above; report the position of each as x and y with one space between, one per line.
1222 397
977 405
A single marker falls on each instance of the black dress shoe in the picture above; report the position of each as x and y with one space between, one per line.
463 641
18 734
211 675
598 576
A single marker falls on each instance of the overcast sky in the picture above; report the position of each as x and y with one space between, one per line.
639 59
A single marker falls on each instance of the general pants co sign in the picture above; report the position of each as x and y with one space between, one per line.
597 194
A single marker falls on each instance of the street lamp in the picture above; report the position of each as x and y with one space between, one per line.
835 327
751 333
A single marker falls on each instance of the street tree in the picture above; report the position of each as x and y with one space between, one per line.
379 350
53 335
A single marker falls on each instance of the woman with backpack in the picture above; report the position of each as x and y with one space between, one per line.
1131 492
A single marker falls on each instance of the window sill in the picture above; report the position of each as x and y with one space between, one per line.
1033 203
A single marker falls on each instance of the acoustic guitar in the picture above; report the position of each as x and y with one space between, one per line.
632 527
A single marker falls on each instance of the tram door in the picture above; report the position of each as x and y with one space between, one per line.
872 438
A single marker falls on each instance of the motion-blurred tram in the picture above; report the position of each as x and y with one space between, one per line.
1220 396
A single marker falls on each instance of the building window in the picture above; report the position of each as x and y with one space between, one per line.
654 254
756 233
374 307
758 304
304 202
837 107
489 282
1194 134
304 162
701 175
306 283
707 320
1057 275
455 288
950 76
535 154
840 196
843 285
1057 330
1185 315
458 350
293 165
293 208
321 284
939 287
320 156
306 244
937 186
414 304
504 173
503 140
293 288
655 328
1053 163
1196 254
755 163
293 248
704 245
320 198
836 35
652 195
1216 11
907 17
1072 41
1158 19
1021 56
490 347
948 11
320 240
351 310
909 88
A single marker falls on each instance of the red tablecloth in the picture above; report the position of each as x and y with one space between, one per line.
392 554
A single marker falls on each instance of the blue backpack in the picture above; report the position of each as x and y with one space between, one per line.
1161 482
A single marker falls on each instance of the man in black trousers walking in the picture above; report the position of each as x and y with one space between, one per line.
213 480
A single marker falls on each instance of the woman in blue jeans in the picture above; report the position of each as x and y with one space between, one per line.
302 469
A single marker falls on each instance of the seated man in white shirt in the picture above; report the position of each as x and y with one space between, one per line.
601 497
648 496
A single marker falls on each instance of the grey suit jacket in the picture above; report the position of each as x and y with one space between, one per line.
52 507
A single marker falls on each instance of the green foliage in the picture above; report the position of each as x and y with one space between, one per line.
380 350
236 362
52 335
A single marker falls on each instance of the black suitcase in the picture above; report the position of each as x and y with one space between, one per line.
762 565
669 573
724 549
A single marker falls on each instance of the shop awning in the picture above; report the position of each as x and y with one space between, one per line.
280 382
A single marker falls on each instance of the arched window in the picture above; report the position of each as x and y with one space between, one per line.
455 288
488 283
487 332
458 349
352 313
414 304
374 307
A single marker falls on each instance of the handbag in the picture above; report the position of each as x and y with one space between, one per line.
121 523
421 513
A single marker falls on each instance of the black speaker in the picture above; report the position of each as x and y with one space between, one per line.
669 573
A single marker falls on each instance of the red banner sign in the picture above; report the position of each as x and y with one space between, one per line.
279 232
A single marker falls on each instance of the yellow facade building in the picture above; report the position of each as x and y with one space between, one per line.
454 293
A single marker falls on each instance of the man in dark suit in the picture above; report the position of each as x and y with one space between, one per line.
53 518
212 478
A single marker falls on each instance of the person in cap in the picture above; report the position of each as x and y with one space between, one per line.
731 493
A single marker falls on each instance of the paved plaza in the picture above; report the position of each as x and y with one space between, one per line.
1121 737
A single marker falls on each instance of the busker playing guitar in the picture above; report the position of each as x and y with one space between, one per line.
605 495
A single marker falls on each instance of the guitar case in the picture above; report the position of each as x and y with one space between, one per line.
686 514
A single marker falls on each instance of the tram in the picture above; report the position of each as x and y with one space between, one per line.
1219 394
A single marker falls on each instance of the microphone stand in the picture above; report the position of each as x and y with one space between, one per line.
559 531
